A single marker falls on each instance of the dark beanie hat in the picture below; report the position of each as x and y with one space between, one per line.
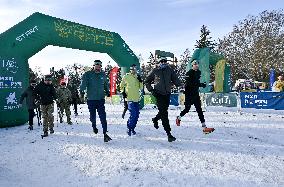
47 77
97 62
32 81
133 66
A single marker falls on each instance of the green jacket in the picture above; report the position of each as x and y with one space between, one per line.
132 86
96 84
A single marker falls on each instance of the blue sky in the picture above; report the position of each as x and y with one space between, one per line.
145 25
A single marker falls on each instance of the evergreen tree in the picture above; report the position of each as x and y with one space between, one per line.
108 69
147 67
75 73
205 39
35 74
143 71
57 76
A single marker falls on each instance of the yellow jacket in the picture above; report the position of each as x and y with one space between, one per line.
279 86
132 86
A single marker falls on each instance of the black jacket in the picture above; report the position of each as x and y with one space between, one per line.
74 91
30 96
46 93
192 82
163 79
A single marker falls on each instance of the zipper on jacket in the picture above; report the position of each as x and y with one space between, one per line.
164 80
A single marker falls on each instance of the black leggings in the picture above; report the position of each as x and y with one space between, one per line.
31 116
125 108
74 102
197 103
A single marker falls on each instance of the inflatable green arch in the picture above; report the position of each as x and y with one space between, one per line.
30 36
222 69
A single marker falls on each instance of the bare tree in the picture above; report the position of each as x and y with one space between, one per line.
255 46
181 66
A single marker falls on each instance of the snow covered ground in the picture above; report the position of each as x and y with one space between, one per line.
245 150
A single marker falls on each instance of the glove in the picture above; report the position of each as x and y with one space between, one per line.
154 93
139 78
69 101
57 101
124 95
37 103
203 85
108 94
82 93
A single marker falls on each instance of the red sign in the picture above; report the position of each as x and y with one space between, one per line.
113 77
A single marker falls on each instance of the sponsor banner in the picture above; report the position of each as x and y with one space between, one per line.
113 77
115 99
11 101
221 99
263 100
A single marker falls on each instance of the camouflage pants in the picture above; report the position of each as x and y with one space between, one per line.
65 107
47 115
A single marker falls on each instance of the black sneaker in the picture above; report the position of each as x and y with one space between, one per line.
95 130
171 138
31 127
106 138
128 132
156 125
45 134
133 132
51 131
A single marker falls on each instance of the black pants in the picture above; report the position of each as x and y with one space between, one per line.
163 102
31 116
75 104
125 108
193 100
38 111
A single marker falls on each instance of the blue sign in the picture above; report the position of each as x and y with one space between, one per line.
271 78
174 99
263 100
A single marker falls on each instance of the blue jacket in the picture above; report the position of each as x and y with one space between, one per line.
96 84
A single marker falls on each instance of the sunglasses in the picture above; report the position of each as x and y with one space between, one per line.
98 64
163 61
